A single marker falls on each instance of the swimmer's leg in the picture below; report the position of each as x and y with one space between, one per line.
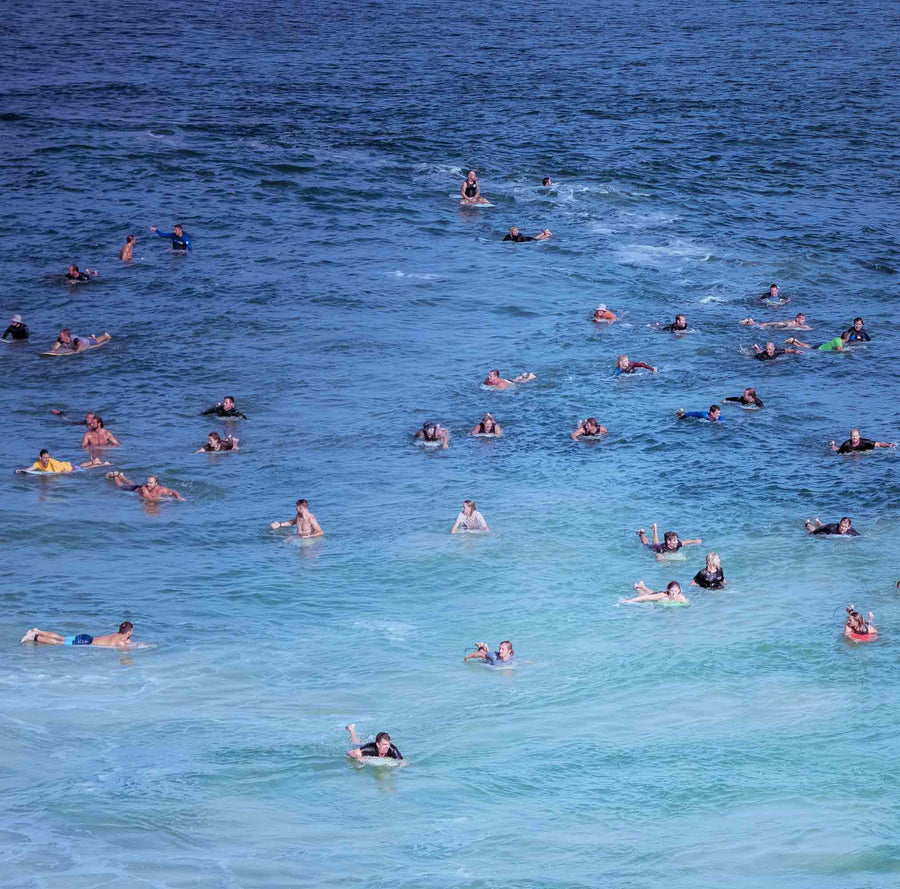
655 533
46 638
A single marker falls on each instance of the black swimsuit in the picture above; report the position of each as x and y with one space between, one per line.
471 189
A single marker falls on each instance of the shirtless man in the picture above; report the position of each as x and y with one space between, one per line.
514 235
65 342
307 525
589 427
120 639
798 322
150 490
855 444
672 593
497 382
127 249
97 436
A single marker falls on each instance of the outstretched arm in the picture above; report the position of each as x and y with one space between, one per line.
170 492
481 650
692 541
885 444
275 525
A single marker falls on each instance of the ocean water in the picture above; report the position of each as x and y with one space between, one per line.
699 152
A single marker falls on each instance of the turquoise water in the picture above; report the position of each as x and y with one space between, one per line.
343 297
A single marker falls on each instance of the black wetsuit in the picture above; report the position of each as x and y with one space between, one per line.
483 431
834 528
756 402
663 548
674 328
371 749
710 580
471 188
857 336
519 238
865 444
16 331
220 411
765 356
225 446
78 276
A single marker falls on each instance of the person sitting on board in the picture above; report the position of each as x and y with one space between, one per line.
857 625
714 414
119 639
434 432
855 444
215 442
180 241
602 315
470 190
672 593
796 323
382 747
306 523
224 408
514 235
150 490
470 519
74 276
487 425
588 427
497 382
45 463
670 545
844 527
97 436
16 330
504 655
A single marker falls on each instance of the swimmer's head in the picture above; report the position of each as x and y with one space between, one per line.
750 392
89 418
152 481
178 229
713 562
671 539
592 424
773 290
513 230
471 175
857 323
680 321
73 269
801 318
546 182
65 333
126 628
622 361
303 504
506 649
214 438
430 430
129 239
845 524
468 507
383 743
673 589
714 411
854 436
770 348
44 456
494 374
228 402
845 336
488 420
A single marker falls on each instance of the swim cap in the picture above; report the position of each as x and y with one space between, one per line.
601 307
16 319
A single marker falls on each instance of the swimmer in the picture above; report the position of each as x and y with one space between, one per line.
120 639
857 626
773 295
306 523
834 345
589 426
127 249
470 519
87 417
624 366
796 323
434 432
65 342
16 331
487 426
747 398
150 490
770 353
497 382
381 747
180 241
855 444
547 182
671 543
678 325
514 235
45 463
602 315
73 276
505 654
844 527
97 436
711 577
215 442
470 190
672 593
714 414
224 408
857 333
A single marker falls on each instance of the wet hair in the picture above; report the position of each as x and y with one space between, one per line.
125 626
495 371
856 621
713 559
228 398
153 476
680 316
716 408
44 451
215 435
303 503
179 225
845 336
846 518
858 319
751 390
470 171
620 357
382 736
469 502
507 642
66 329
773 285
591 420
671 585
670 535
545 180
129 239
99 420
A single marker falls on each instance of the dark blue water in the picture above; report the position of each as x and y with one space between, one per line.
337 289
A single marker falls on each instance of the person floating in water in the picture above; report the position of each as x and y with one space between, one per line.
45 463
672 593
857 625
150 490
857 333
547 182
487 425
74 276
711 577
180 241
588 427
120 639
748 398
470 519
670 545
215 442
770 353
224 408
127 249
97 436
626 366
515 235
504 655
714 414
796 323
602 315
16 331
470 190
679 325
855 444
844 527
833 345
382 747
66 343
306 523
497 382
772 295
434 432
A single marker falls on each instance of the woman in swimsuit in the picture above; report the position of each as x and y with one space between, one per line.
434 432
470 519
672 593
589 427
487 426
470 191
857 626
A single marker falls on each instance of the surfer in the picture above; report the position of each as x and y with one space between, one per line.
714 414
671 542
470 190
119 639
97 436
857 333
306 522
857 625
487 426
504 655
602 315
45 463
470 519
224 408
150 490
711 576
770 353
625 366
772 295
127 249
844 527
547 182
833 345
17 331
73 276
382 746
856 444
180 241
514 235
434 432
215 442
672 593
495 381
66 343
590 427
679 325
798 322
747 398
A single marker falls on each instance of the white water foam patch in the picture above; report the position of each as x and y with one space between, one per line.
674 255
413 276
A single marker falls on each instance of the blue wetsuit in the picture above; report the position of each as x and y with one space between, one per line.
698 415
858 336
178 243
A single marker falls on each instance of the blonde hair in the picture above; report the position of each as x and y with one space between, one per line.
713 562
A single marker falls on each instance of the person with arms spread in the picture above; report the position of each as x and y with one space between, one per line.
150 490
180 241
748 398
833 345
672 593
770 353
306 523
714 414
514 235
671 542
796 323
855 444
626 366
495 381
